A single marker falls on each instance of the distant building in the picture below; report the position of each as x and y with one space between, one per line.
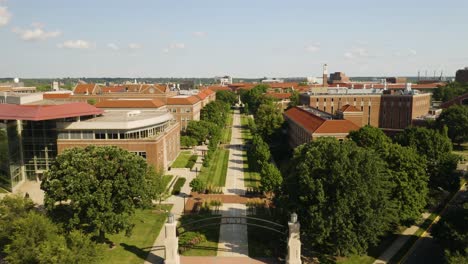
223 81
462 75
184 108
339 77
396 80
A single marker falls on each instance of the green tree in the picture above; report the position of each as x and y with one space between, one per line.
452 232
271 178
340 192
197 185
294 99
409 180
406 168
449 91
12 207
35 239
215 112
156 186
268 119
259 153
188 141
255 97
197 130
436 148
227 97
371 137
455 118
96 189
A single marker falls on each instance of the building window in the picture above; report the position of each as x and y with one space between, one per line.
140 153
113 136
99 135
368 116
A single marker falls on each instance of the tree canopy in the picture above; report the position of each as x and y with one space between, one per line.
268 119
407 171
452 233
447 92
96 188
227 97
28 236
436 148
341 194
455 118
215 112
255 97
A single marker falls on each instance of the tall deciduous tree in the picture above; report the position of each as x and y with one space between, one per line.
452 233
406 168
455 118
96 188
340 192
268 119
227 97
271 178
437 149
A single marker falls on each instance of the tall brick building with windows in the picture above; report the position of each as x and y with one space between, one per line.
387 111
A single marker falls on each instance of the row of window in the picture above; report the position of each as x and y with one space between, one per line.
113 134
181 110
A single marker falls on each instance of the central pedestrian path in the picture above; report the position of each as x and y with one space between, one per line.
233 240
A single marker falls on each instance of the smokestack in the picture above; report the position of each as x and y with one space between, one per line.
325 75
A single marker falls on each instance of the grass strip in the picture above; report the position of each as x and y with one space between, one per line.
135 248
215 173
178 185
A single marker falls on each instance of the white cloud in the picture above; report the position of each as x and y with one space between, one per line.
412 52
36 33
113 46
177 46
199 34
5 16
357 53
313 47
134 46
76 44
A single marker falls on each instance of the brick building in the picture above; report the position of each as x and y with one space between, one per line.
387 111
339 77
306 124
184 108
154 135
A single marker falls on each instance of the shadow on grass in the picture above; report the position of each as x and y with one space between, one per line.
142 253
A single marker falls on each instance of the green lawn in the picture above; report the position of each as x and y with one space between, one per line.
167 179
246 135
355 259
182 160
210 246
461 150
215 173
227 131
134 249
251 178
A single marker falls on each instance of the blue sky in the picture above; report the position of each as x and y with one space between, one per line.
242 38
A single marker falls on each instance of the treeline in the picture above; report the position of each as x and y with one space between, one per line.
447 92
213 119
349 194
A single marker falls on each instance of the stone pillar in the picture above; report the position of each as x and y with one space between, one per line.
171 243
294 242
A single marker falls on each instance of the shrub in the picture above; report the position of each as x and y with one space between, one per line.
178 185
189 239
197 185
192 160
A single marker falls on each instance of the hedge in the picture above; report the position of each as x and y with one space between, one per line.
178 185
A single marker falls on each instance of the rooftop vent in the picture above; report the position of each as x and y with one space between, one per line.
133 113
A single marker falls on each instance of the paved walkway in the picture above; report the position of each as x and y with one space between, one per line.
235 171
156 255
233 240
399 242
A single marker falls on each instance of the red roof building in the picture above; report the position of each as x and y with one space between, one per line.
306 124
46 112
130 103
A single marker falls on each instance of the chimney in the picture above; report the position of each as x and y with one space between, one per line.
325 75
